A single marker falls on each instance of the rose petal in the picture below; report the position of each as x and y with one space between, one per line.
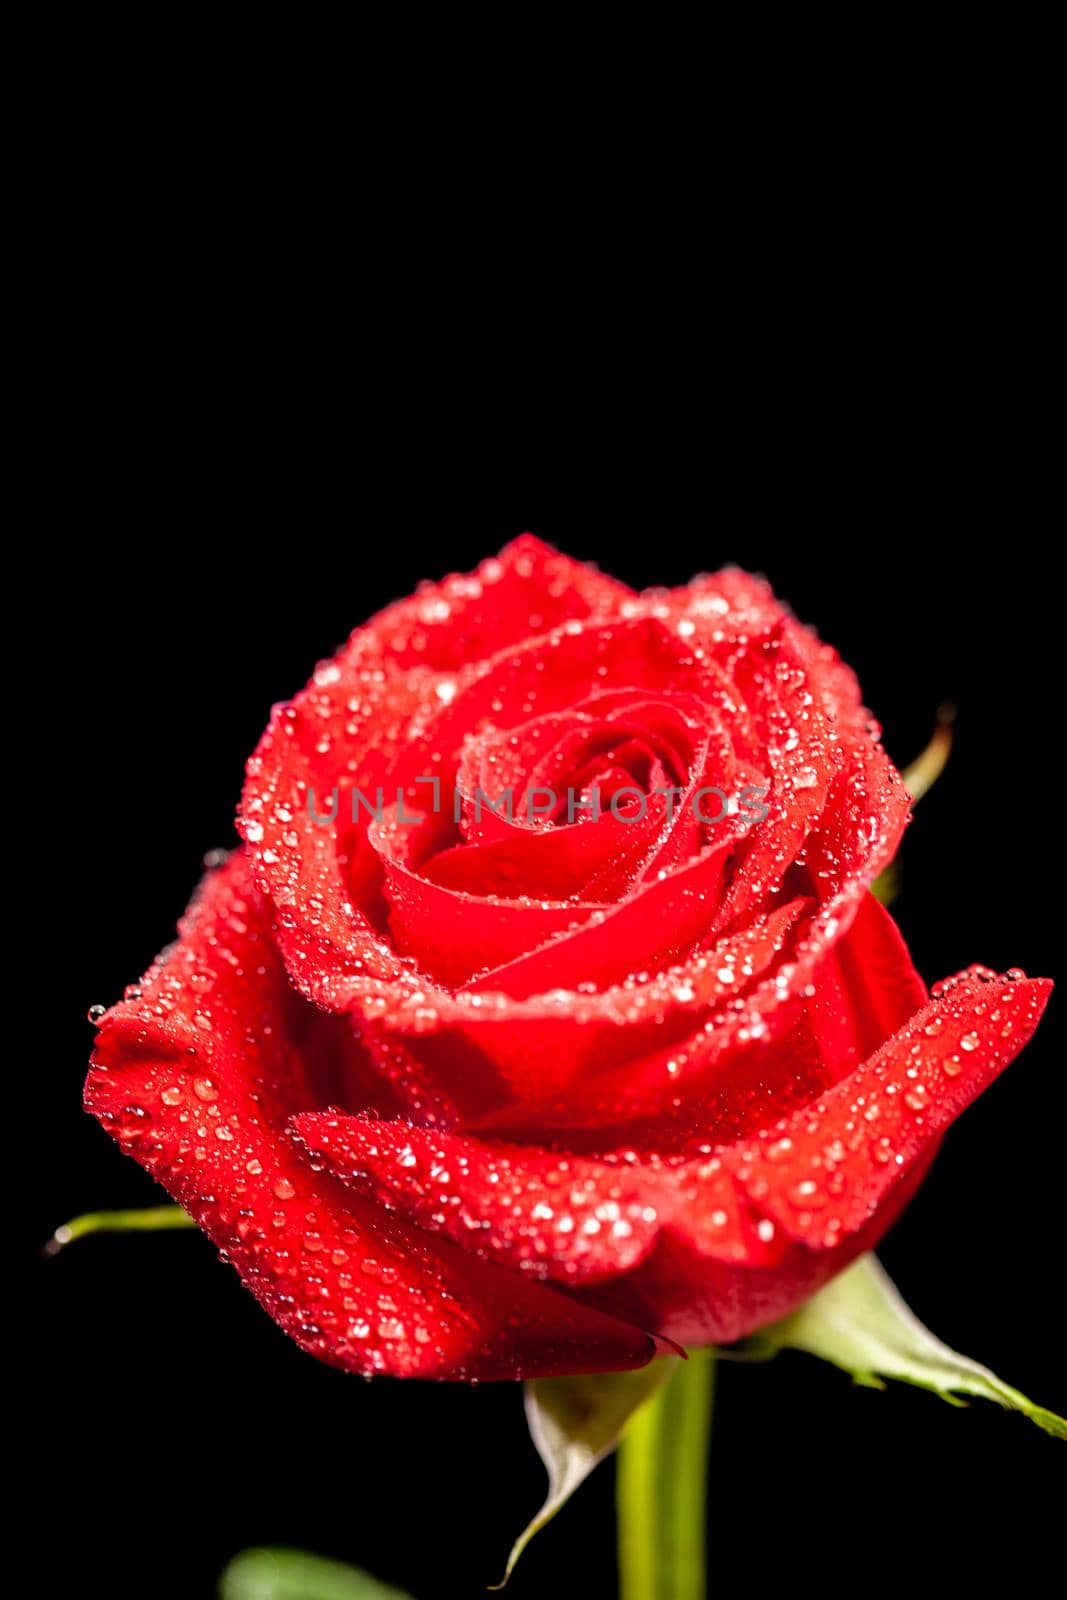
556 1216
348 727
823 1172
732 1071
469 1040
453 935
198 1079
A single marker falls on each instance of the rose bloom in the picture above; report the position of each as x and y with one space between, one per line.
492 1098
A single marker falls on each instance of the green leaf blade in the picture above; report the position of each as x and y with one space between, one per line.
141 1219
281 1573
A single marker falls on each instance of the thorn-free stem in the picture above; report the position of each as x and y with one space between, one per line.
661 1488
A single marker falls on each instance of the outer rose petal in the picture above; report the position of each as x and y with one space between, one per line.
705 1253
824 1172
529 588
695 1292
731 604
198 1079
557 1216
826 1184
706 1250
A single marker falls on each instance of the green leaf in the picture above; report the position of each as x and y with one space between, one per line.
919 778
860 1323
145 1219
921 775
575 1423
283 1574
886 886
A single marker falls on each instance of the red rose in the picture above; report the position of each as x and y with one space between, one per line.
499 1097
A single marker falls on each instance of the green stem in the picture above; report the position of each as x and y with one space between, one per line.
661 1488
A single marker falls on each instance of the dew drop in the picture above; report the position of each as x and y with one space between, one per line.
804 1193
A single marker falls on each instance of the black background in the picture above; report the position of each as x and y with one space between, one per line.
213 559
